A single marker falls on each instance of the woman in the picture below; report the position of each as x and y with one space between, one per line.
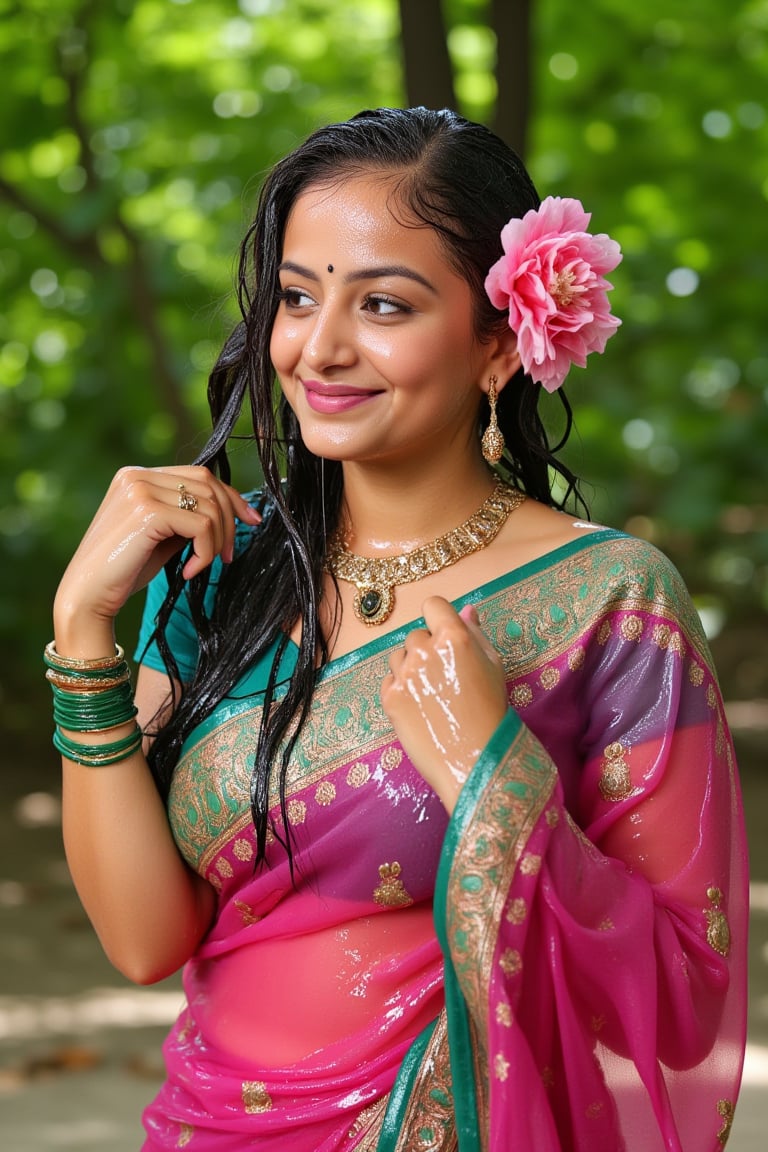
401 676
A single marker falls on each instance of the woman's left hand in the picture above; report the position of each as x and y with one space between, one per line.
445 695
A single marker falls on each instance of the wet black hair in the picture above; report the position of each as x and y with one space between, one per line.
463 181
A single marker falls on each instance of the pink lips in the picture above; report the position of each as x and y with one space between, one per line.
332 398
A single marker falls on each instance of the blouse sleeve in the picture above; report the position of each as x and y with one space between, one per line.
595 969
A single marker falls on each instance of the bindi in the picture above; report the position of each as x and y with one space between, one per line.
330 267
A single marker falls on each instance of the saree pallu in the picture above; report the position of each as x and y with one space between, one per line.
590 899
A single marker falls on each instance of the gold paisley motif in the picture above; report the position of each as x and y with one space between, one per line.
615 781
530 865
517 911
255 1097
504 1015
358 775
391 892
727 1111
242 849
521 695
511 962
186 1132
576 658
696 675
500 1066
718 930
325 793
549 678
604 632
632 627
391 758
296 811
247 915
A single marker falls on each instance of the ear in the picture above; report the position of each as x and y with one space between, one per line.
503 360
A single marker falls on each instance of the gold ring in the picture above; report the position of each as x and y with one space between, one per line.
187 502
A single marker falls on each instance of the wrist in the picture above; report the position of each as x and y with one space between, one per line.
81 636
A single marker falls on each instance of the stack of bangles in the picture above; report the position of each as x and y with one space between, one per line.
92 696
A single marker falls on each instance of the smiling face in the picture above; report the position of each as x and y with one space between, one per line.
373 341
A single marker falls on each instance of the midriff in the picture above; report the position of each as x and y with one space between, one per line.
276 1002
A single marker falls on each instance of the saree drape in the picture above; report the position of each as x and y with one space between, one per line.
582 985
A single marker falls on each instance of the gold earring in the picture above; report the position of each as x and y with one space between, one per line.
492 442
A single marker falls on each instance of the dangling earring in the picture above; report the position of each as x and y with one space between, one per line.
492 442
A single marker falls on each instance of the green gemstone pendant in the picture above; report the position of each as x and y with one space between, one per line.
374 605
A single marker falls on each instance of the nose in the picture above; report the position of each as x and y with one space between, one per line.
330 342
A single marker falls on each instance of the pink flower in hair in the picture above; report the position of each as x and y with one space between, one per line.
551 280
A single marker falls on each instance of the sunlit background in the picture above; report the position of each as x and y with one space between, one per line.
134 137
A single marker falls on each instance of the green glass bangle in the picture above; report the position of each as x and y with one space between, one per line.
92 712
98 755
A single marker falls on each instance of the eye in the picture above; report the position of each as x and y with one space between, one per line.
295 298
384 306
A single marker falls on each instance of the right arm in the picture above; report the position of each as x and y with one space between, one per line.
148 908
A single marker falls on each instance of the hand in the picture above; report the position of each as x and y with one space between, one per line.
445 695
137 529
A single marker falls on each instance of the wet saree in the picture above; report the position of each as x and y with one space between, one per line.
583 983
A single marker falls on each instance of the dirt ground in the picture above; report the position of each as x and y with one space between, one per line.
80 1048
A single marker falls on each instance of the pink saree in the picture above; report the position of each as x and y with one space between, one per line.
582 983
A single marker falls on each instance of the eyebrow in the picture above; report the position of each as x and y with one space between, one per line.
363 273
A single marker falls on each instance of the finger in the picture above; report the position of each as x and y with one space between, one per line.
470 617
438 613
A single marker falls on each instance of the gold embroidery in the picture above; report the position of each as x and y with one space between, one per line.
718 931
215 881
391 758
530 864
662 634
325 793
676 644
521 695
549 678
358 775
186 1132
615 781
224 868
242 849
255 1097
367 1117
391 892
576 659
296 811
247 914
552 817
696 675
711 696
511 962
604 632
632 627
606 924
500 1067
428 1123
726 1110
517 911
592 1111
504 1015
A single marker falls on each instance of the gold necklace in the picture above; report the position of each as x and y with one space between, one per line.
376 578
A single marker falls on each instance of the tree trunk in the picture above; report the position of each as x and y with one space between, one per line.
426 62
512 24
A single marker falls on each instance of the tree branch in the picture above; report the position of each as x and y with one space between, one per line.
512 24
426 61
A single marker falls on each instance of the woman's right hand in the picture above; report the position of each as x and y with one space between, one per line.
137 529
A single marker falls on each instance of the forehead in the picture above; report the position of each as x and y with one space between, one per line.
359 213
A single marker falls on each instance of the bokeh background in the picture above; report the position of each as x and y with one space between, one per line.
134 136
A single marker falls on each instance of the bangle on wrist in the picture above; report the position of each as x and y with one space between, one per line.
98 755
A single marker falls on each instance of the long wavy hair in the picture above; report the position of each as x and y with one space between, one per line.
451 175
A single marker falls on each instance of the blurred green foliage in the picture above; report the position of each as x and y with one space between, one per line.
134 138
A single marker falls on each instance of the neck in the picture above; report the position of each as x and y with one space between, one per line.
386 511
